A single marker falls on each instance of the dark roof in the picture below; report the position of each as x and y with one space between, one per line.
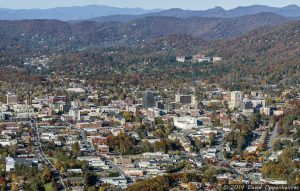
25 161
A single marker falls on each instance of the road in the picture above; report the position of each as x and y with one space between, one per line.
272 137
81 134
220 156
89 146
43 158
118 169
219 145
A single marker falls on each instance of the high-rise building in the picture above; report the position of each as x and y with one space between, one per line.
236 98
160 105
148 100
11 99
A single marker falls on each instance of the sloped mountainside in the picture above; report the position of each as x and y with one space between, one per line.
90 33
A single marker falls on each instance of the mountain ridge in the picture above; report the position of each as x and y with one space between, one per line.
69 13
100 12
134 31
288 11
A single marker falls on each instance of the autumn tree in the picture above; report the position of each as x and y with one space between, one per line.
46 175
58 165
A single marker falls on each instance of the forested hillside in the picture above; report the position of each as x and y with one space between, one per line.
58 34
144 51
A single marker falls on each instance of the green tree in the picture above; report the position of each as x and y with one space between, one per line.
3 187
210 173
76 148
277 145
225 154
212 140
241 141
91 188
169 129
128 116
139 118
269 101
90 179
199 144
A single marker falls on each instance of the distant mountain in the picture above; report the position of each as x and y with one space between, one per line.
103 13
91 33
118 18
289 11
70 13
207 28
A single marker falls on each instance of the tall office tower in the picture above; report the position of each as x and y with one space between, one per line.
236 99
148 100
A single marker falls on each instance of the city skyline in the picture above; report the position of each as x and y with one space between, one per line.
155 4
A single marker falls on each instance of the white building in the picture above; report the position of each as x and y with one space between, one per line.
23 110
7 142
207 131
156 155
10 164
74 113
278 112
117 181
265 110
48 136
217 59
95 162
204 59
144 164
258 102
185 122
180 58
76 90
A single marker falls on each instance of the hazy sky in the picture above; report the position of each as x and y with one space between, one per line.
148 4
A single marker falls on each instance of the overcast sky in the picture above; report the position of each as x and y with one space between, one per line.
147 4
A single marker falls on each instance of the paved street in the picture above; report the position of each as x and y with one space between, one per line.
219 146
107 160
272 137
43 158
